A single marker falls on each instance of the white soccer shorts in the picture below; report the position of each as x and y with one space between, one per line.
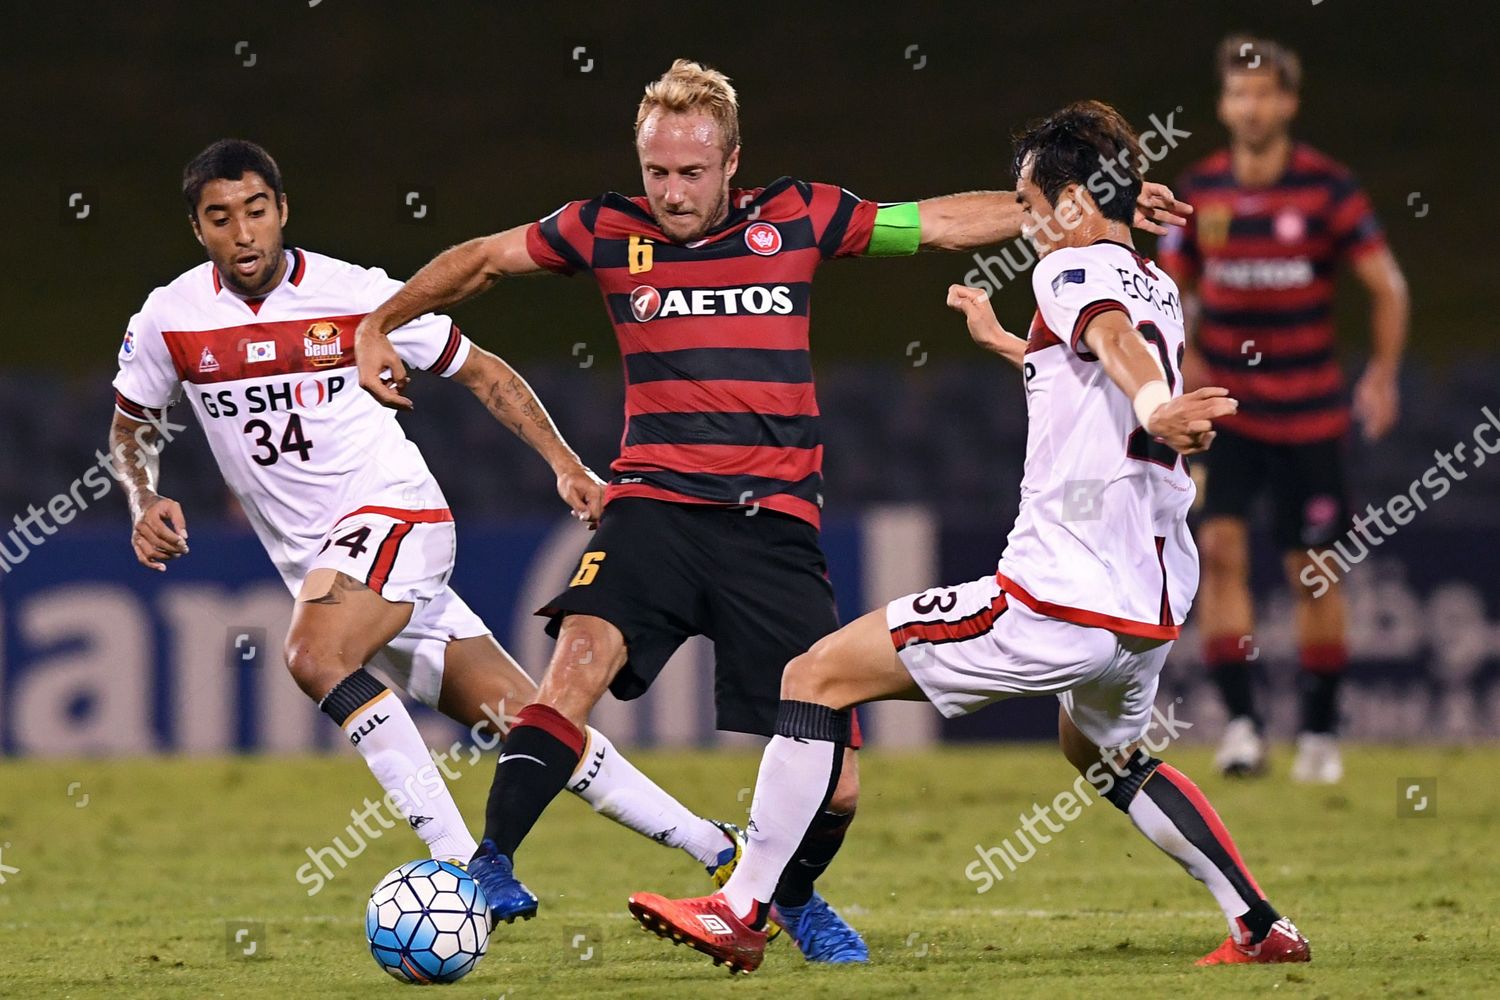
967 647
406 557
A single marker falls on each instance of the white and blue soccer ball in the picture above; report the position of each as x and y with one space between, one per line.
427 922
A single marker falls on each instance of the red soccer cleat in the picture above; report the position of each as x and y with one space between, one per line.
1284 944
706 923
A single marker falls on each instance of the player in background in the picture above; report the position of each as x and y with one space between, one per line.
1089 595
1276 220
712 520
260 340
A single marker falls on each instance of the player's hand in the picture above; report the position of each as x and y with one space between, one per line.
1186 422
974 303
381 372
160 534
1377 402
583 491
1158 207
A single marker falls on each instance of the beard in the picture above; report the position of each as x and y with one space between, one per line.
706 221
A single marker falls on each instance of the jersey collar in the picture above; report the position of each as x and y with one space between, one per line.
296 271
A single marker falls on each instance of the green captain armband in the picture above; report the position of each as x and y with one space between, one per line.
897 232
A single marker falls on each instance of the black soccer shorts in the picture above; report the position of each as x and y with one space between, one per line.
754 583
1307 485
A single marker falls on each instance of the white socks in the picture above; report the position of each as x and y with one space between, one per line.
381 729
789 790
616 788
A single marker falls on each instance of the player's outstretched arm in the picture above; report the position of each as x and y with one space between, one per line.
456 274
980 218
158 529
512 402
1185 423
986 330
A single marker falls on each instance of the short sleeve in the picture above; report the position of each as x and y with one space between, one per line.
1352 222
431 342
1071 291
842 221
1178 248
147 380
562 242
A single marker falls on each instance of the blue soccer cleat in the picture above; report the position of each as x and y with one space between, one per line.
508 899
820 932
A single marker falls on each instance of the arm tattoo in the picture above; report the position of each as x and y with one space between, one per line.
133 452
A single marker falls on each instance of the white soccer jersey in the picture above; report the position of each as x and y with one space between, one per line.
1101 538
274 384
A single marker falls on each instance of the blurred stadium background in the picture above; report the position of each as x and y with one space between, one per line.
488 114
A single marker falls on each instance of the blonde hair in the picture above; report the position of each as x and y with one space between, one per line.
690 87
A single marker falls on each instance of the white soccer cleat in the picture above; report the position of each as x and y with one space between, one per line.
1242 751
1319 761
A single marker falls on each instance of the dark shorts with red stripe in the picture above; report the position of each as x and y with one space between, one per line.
1306 485
754 583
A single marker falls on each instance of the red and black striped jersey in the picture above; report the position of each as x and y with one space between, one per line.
719 399
1264 260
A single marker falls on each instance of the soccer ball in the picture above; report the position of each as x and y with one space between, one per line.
427 922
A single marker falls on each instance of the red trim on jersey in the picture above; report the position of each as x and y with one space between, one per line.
1087 315
299 266
430 515
790 464
782 503
255 304
968 627
552 722
1040 336
134 410
1324 657
1166 601
856 737
455 338
775 399
1210 818
1081 616
385 557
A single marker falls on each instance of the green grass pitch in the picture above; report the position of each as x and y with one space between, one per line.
125 879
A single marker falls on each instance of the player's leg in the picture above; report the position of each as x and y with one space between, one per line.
1313 502
774 605
1233 476
338 625
623 597
799 772
482 683
1114 712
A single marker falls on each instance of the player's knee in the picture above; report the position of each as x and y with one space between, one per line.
809 677
315 669
589 653
1223 554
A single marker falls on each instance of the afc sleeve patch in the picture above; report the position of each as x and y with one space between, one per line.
1072 276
